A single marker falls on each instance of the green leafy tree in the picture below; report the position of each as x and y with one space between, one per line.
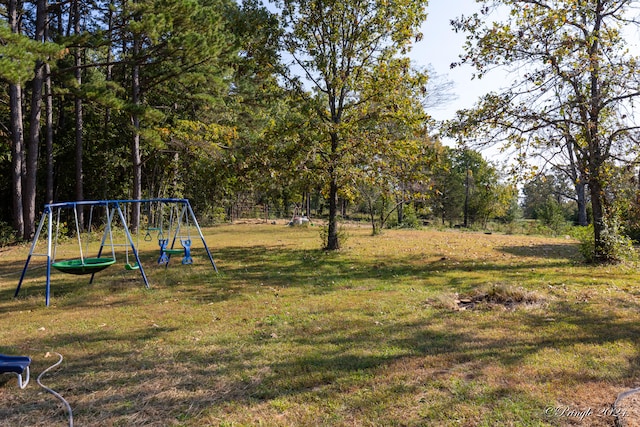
392 168
482 186
448 189
267 160
171 49
386 183
541 188
578 81
468 187
337 46
166 92
552 214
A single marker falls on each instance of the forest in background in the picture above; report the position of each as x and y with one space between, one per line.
315 106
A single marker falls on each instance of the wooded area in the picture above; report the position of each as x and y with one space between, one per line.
315 103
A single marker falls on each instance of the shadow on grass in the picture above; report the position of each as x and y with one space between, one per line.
315 269
562 251
137 377
148 376
325 272
244 268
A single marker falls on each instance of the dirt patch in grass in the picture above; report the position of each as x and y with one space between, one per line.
495 296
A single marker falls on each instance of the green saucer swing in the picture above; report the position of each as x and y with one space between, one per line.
89 266
174 251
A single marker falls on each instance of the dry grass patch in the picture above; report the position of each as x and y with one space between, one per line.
490 297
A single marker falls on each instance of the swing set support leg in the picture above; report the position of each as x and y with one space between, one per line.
47 214
133 246
204 242
49 260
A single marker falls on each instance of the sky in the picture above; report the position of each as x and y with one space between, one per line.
440 46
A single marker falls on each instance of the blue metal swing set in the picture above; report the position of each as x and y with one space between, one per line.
89 265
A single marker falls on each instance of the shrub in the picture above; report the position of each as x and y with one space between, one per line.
7 234
587 241
616 246
552 215
410 218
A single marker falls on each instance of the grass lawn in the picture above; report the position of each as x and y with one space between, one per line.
410 328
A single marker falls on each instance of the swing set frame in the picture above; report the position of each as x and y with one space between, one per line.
93 265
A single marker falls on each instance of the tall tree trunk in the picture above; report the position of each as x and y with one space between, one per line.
17 156
466 198
49 133
581 193
596 162
135 145
600 250
17 131
598 201
108 78
33 152
400 209
33 146
307 203
79 190
175 178
372 215
79 120
332 231
576 175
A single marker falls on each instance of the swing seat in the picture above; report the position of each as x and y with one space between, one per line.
174 251
163 243
130 267
186 244
89 266
164 255
18 365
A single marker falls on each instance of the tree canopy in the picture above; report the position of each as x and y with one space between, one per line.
575 90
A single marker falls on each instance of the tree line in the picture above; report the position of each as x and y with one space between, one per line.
220 102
